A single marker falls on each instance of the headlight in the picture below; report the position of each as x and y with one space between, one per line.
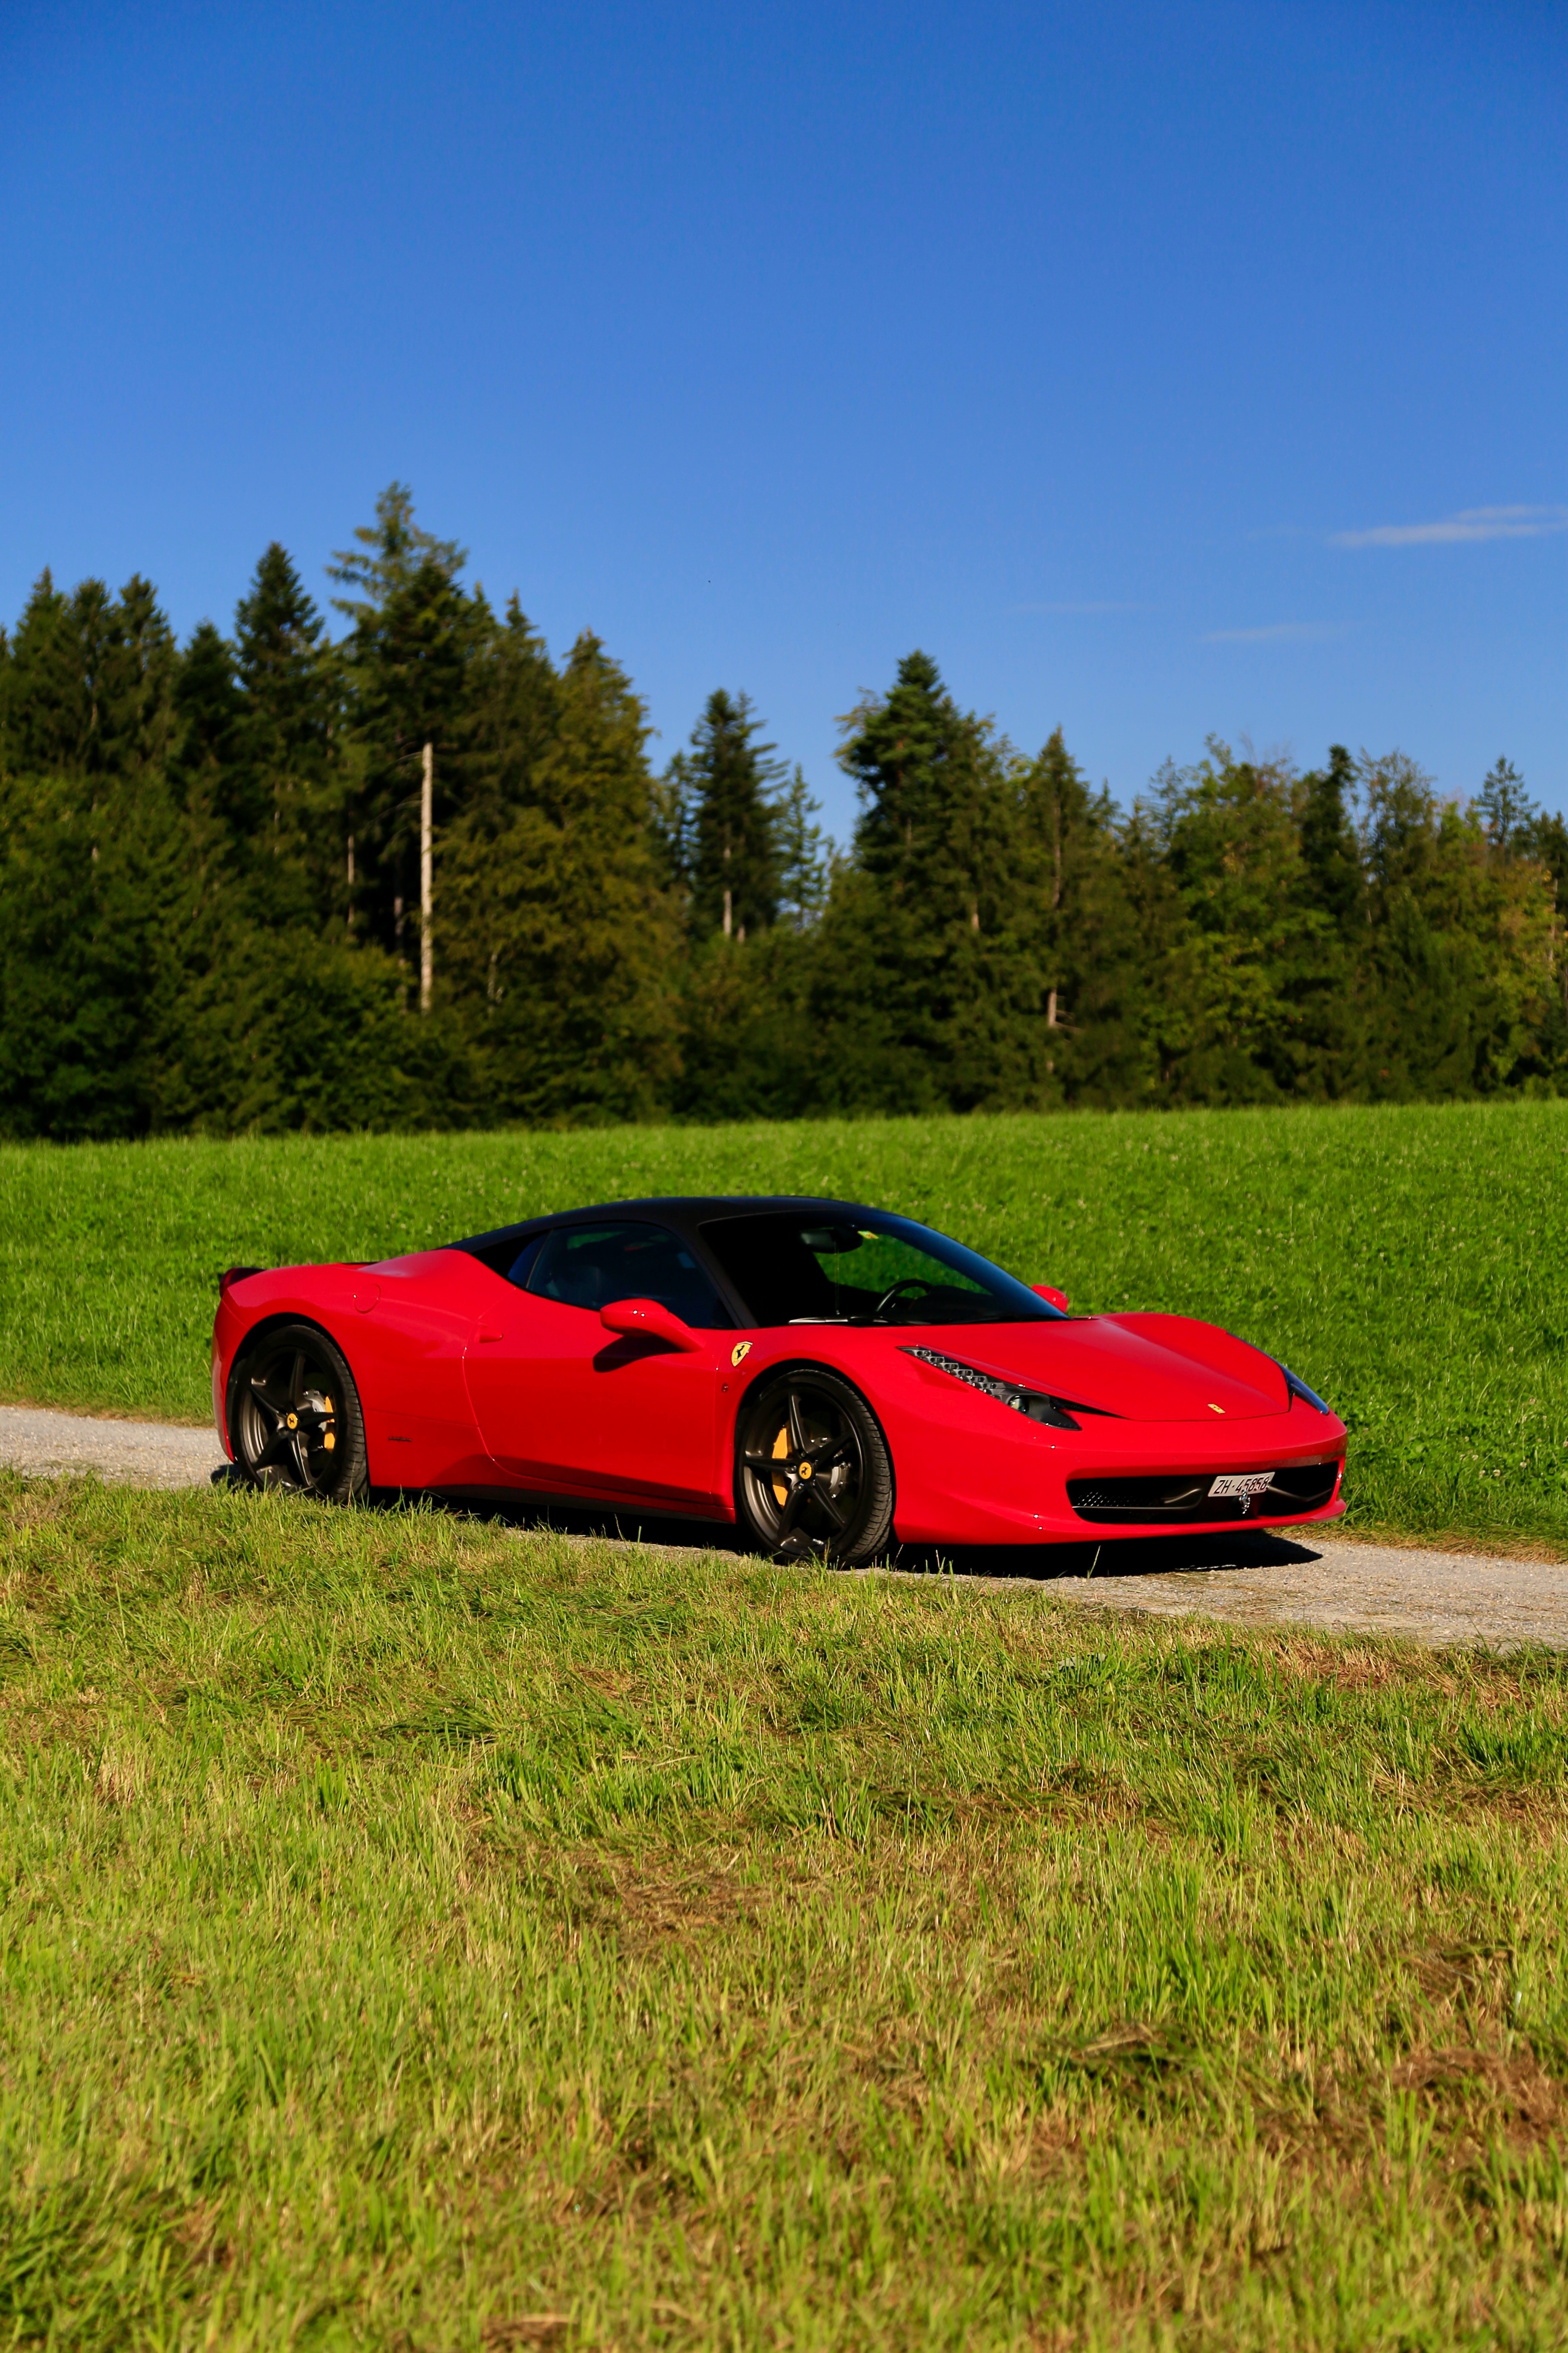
1297 1388
1032 1402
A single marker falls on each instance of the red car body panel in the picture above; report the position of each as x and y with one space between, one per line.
470 1385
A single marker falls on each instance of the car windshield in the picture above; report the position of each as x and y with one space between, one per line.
796 1268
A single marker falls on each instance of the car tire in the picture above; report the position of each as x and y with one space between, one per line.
813 1476
295 1421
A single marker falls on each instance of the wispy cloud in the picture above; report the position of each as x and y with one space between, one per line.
1276 633
1080 608
1475 523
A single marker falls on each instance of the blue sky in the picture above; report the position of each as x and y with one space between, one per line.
1161 370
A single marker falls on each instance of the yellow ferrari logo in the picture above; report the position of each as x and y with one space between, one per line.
742 1348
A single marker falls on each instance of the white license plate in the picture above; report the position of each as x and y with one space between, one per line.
1246 1484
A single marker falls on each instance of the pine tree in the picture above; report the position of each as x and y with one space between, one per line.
209 777
674 801
44 720
580 1011
209 710
512 710
277 636
1330 852
1507 811
1090 945
512 717
137 710
802 863
89 683
1231 840
407 659
733 856
390 551
930 928
89 945
89 935
917 763
281 775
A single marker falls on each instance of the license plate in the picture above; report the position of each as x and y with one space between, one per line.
1243 1485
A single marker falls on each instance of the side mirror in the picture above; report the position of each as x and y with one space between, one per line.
1048 1291
646 1318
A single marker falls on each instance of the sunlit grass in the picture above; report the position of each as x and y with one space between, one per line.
418 1935
1411 1262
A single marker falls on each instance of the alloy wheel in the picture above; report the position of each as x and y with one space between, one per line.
289 1420
803 1468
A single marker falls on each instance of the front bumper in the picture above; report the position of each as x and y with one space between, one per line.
1023 1483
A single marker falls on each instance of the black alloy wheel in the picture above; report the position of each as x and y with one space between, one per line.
812 1474
295 1419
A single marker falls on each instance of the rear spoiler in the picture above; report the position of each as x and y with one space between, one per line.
233 1274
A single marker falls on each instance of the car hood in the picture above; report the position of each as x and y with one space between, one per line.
1142 1367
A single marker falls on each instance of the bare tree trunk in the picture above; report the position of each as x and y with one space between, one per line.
1051 1010
426 936
350 882
728 926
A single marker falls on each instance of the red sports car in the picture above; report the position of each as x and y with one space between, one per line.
831 1378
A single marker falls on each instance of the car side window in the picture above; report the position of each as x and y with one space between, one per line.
592 1266
521 1265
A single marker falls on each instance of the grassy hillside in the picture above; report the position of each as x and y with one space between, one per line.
1412 1263
414 1936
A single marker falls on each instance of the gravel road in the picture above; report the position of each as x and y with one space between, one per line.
1334 1583
134 1453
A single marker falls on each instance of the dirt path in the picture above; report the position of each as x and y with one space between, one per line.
1342 1587
44 1443
1337 1585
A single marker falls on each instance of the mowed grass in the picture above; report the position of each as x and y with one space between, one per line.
1411 1262
415 1935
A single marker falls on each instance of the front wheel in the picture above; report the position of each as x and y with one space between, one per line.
295 1419
811 1472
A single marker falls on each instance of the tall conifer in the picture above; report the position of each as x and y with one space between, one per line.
283 676
407 661
732 844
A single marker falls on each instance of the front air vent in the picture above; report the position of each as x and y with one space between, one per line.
1184 1496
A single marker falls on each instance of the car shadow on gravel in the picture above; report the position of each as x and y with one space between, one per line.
1121 1557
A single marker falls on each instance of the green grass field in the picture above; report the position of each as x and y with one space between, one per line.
1410 1262
414 1936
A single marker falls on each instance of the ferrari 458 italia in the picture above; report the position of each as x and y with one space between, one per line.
830 1378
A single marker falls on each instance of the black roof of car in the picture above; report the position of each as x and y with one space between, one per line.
671 1208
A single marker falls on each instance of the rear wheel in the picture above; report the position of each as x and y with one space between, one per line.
295 1420
812 1474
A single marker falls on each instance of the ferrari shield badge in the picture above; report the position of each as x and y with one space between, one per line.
742 1348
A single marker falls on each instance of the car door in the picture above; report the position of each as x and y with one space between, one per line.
569 1408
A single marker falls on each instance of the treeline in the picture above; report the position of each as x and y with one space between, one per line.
211 892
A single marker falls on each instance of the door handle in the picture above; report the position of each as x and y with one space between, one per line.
488 1331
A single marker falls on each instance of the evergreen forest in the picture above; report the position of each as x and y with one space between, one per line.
212 913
